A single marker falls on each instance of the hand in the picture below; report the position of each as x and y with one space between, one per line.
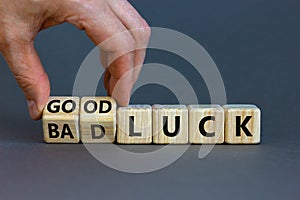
21 20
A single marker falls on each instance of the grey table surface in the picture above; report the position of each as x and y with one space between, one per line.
256 47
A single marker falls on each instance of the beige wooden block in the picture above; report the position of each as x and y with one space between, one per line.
61 120
242 124
170 124
97 119
134 124
206 124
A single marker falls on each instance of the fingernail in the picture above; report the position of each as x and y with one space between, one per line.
34 112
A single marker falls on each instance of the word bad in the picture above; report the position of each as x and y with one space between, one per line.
98 120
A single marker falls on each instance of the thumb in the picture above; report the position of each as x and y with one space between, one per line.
28 71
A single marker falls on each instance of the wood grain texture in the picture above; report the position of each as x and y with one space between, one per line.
61 120
98 119
170 124
134 124
206 124
242 124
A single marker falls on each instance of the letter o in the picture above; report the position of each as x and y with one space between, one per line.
64 106
94 106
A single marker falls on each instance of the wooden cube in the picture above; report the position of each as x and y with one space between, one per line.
170 124
206 124
61 120
134 124
97 119
242 124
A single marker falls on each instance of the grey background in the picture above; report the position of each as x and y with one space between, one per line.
255 44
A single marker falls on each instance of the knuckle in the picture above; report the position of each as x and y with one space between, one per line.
146 30
119 44
28 81
85 4
79 12
87 7
142 34
25 82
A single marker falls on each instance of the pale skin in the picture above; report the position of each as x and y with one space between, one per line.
22 20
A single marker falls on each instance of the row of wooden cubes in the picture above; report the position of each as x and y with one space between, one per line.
98 120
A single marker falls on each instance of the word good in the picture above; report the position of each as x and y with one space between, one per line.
98 120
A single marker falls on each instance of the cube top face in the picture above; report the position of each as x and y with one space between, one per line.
61 108
242 124
135 108
168 107
97 106
199 107
61 120
240 106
